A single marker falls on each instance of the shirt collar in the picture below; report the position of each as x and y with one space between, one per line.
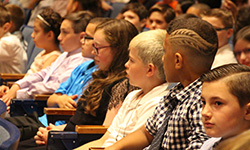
182 93
77 51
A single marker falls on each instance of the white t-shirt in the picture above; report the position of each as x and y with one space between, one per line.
134 113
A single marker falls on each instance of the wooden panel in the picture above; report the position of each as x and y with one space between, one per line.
41 96
6 76
59 111
96 148
91 129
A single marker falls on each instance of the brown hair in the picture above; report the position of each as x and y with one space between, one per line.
16 15
223 15
53 19
118 33
79 20
4 15
165 10
235 76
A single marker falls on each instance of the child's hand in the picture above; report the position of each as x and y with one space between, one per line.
3 90
66 101
41 136
10 94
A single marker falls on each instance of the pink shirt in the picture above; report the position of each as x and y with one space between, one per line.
39 61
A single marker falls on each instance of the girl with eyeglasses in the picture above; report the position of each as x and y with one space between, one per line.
104 95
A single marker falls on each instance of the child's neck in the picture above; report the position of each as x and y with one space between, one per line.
52 48
145 90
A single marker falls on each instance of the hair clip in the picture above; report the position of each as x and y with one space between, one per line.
43 20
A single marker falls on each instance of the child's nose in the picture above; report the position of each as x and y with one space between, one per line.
206 112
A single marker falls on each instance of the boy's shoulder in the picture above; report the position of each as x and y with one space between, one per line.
8 37
192 91
10 41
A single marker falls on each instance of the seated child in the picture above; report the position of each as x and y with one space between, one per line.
46 30
160 16
49 79
13 57
225 102
222 21
145 70
135 13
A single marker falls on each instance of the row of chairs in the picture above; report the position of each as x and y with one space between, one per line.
56 140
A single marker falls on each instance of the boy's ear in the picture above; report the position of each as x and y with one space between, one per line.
6 27
151 70
178 60
75 6
82 35
229 33
247 115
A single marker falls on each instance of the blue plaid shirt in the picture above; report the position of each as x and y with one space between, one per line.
185 129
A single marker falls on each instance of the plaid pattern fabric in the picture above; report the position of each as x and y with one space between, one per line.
184 130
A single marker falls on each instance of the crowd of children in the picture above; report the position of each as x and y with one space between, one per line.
184 84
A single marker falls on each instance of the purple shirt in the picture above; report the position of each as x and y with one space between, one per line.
59 71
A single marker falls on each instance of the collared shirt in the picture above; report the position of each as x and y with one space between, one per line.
78 79
210 143
185 129
13 57
224 56
34 83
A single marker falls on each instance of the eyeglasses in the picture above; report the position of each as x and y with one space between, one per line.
96 49
246 52
88 38
220 29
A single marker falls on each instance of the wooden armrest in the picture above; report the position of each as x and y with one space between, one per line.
91 129
41 96
96 148
59 111
6 76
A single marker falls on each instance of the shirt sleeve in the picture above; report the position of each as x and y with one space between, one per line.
36 85
198 135
153 121
32 78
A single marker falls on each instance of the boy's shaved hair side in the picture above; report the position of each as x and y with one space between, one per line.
196 39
